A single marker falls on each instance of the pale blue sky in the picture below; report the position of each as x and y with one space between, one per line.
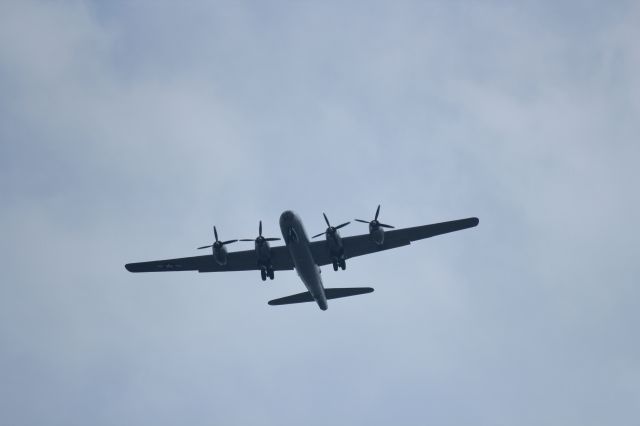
128 129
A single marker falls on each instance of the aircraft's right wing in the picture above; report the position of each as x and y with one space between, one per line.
359 245
236 261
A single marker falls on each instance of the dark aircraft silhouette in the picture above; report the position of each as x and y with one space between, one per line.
305 256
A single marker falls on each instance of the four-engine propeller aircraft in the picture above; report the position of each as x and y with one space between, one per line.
305 256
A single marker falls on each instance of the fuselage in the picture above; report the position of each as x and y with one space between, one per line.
297 242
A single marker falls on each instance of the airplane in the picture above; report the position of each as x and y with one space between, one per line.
303 255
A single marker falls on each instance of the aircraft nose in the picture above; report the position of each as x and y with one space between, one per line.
286 217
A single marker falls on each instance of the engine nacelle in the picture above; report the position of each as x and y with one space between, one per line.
263 254
263 250
220 254
376 230
334 242
377 234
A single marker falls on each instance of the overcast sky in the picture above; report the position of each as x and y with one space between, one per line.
128 129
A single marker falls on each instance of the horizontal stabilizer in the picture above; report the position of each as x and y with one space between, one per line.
336 293
330 293
295 298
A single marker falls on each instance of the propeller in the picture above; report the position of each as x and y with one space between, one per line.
330 229
375 222
260 238
217 243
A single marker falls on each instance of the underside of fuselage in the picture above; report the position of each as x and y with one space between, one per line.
297 242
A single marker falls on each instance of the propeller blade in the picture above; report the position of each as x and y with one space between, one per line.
203 247
316 236
260 229
360 220
342 225
247 239
229 242
377 212
326 220
215 232
382 225
271 239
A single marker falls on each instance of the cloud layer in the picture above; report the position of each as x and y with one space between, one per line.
128 130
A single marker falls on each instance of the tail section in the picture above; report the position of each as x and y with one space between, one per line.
295 298
336 293
330 293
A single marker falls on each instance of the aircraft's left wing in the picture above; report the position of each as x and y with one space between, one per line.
359 245
236 261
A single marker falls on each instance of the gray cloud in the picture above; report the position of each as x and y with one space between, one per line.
128 130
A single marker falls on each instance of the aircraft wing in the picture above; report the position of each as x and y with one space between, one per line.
236 261
359 245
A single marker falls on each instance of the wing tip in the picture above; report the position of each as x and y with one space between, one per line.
129 267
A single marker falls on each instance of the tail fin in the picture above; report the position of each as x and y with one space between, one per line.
330 293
